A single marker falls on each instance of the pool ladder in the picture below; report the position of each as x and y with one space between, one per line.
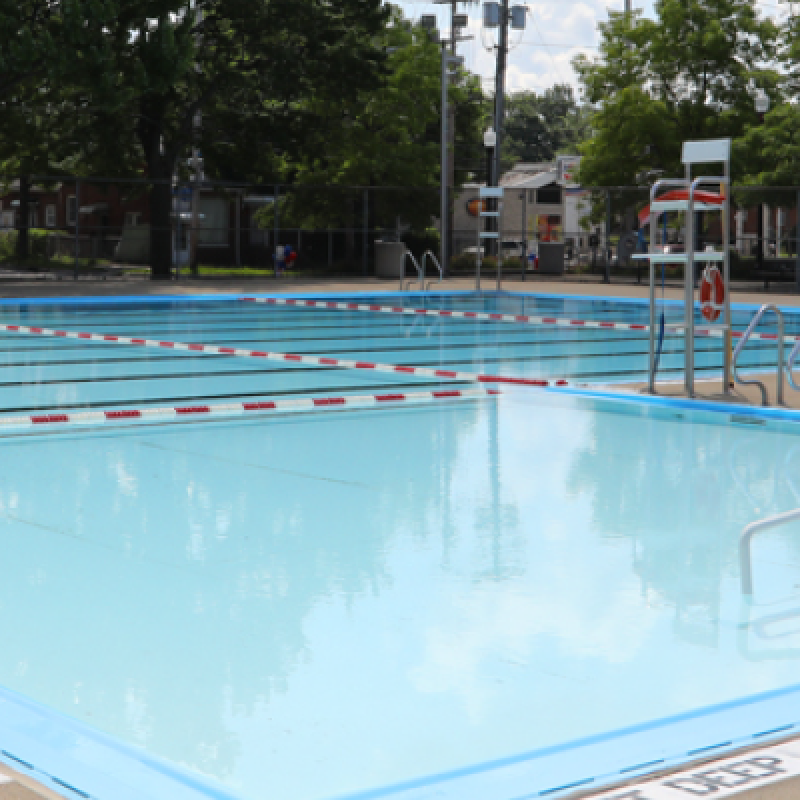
779 363
428 254
745 538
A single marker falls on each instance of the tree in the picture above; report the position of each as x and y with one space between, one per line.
29 127
385 136
686 74
231 78
539 127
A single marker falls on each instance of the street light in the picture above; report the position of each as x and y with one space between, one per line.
762 106
762 103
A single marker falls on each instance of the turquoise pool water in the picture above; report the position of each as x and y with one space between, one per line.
316 605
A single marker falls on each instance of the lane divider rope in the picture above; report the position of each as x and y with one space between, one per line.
227 409
319 361
527 319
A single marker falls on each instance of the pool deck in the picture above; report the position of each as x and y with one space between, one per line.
746 293
17 786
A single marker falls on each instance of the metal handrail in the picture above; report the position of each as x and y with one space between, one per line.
745 556
779 379
420 273
429 254
790 365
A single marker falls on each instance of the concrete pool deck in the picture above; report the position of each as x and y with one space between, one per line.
744 293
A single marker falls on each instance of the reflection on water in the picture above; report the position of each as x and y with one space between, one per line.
389 594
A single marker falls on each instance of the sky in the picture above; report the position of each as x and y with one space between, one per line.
542 54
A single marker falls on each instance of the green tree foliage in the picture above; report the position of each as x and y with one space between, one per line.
234 78
385 136
686 74
538 127
30 128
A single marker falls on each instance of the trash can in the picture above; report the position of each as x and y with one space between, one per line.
551 258
389 257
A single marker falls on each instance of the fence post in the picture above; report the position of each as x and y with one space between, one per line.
607 278
364 252
797 242
77 227
275 229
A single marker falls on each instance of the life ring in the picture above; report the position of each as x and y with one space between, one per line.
712 294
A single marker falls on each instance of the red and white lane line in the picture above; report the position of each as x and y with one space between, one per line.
230 409
526 319
319 361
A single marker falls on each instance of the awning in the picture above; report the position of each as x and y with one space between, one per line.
96 208
702 201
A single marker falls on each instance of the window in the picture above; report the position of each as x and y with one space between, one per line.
8 219
50 216
72 210
33 218
214 220
549 195
132 218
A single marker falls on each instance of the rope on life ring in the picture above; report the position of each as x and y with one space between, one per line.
712 293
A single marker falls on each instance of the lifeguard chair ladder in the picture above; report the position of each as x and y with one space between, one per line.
710 151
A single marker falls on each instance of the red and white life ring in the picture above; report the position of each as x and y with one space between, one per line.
712 293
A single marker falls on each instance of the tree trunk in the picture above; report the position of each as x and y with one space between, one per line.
23 239
160 221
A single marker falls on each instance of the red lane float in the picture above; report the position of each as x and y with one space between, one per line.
319 361
527 319
232 409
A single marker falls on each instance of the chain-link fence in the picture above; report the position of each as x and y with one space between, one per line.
94 226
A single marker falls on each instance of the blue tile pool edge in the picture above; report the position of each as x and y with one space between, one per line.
79 761
621 759
177 299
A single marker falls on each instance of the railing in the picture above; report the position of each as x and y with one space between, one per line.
790 365
429 254
420 273
745 555
779 380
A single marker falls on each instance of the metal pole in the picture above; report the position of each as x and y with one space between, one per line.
275 227
607 248
499 206
77 226
726 279
797 243
653 228
688 294
444 167
500 88
238 242
365 243
524 239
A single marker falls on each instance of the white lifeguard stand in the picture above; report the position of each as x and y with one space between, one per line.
710 151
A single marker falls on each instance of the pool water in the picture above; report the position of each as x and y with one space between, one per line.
311 606
48 374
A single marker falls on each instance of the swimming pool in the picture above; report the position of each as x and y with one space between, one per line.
393 602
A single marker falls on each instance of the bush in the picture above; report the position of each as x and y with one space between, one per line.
420 241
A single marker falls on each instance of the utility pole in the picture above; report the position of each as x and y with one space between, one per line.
500 15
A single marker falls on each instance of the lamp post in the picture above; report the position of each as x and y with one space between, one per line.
762 106
490 142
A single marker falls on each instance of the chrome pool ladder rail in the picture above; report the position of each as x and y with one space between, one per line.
743 341
790 365
425 256
420 273
745 537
